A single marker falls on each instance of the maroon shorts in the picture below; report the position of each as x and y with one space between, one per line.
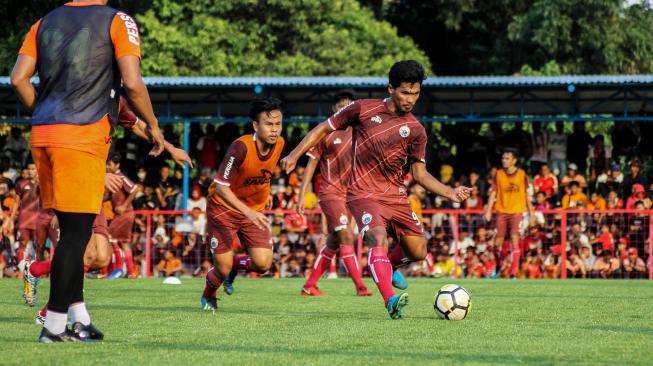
100 225
121 226
397 218
225 227
44 230
336 213
504 220
27 234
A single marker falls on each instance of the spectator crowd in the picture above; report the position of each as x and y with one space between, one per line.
588 176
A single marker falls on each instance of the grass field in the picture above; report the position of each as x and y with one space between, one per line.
266 323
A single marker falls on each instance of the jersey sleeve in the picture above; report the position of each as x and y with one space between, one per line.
127 185
233 159
125 36
316 151
417 147
126 116
29 44
346 116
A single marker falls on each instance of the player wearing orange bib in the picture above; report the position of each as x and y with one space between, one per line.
239 193
510 199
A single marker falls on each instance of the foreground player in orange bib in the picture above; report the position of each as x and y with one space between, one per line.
333 155
239 193
388 140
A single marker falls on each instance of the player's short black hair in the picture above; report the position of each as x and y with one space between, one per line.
406 71
341 94
512 151
264 104
115 158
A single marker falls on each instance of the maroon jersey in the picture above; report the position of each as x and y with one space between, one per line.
29 204
334 154
120 196
383 144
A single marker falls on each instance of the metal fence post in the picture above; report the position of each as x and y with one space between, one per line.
454 231
563 246
148 244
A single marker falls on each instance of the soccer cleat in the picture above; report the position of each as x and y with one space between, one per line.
116 274
311 291
87 333
39 319
396 304
228 284
65 336
209 303
398 280
29 284
363 291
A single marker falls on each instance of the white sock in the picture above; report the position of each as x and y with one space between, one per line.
55 322
79 314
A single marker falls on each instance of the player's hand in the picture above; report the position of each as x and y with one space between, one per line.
112 182
180 157
54 223
460 194
259 219
301 205
288 164
488 216
157 140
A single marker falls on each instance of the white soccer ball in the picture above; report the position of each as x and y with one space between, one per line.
452 302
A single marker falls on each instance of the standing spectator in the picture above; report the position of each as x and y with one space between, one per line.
574 176
546 182
16 147
575 197
624 140
540 144
578 144
558 150
600 156
208 149
166 191
634 177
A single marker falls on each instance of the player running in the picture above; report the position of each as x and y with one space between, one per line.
25 209
509 197
333 154
387 139
239 193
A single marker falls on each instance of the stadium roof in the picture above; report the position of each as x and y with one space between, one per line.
468 99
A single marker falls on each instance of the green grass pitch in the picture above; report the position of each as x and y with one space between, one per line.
266 322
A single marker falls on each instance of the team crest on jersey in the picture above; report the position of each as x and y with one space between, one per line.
367 218
404 131
214 242
343 219
337 141
377 119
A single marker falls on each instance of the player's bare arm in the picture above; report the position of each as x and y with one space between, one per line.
257 218
312 138
308 177
490 204
120 209
430 183
112 182
139 98
20 80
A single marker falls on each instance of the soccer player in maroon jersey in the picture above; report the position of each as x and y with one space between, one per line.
387 142
333 154
25 209
121 225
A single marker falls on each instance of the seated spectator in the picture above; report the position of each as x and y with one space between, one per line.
166 190
573 176
546 182
606 265
575 265
587 258
577 238
148 200
7 170
575 197
464 241
196 199
444 266
170 265
534 240
610 180
541 204
475 200
533 268
490 266
635 176
638 194
634 266
552 265
596 202
613 201
605 241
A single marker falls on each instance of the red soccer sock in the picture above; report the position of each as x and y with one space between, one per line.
348 256
119 261
129 260
44 310
87 268
212 284
242 263
322 262
40 268
398 258
381 270
514 265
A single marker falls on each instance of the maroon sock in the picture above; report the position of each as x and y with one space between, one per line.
397 257
87 268
514 265
44 310
129 260
118 264
322 262
348 256
381 270
213 281
40 268
241 263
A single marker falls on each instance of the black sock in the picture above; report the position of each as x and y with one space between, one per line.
67 271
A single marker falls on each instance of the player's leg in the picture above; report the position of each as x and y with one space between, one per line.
410 241
256 241
221 228
349 258
120 229
514 221
322 263
222 265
